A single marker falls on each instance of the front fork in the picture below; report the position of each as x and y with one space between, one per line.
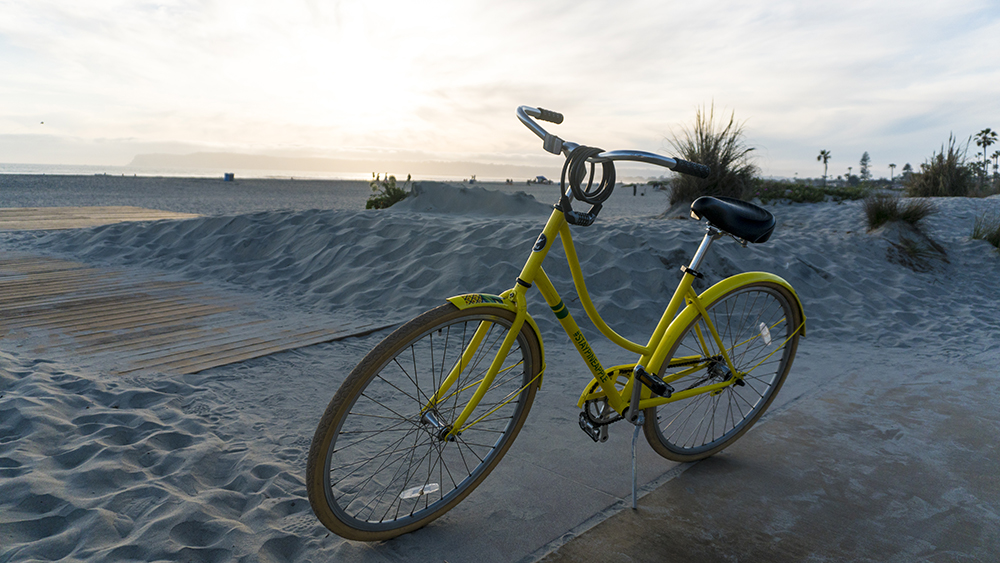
450 432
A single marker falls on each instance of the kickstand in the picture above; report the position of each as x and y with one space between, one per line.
635 436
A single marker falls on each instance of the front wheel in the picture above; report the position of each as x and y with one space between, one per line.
380 464
759 327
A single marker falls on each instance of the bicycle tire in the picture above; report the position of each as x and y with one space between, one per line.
400 475
700 426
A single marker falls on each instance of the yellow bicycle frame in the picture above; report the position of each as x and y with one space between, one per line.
651 355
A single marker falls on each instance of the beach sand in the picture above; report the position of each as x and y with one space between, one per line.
210 466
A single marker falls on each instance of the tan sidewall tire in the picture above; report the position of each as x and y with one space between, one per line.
358 380
650 427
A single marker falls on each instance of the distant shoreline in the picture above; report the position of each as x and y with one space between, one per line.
482 176
239 175
212 180
219 178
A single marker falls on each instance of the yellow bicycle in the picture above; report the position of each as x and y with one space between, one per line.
432 409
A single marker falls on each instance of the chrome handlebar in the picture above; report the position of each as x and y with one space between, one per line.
555 145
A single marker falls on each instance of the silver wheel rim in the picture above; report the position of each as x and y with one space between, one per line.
701 423
384 476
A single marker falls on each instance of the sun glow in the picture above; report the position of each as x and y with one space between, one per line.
444 78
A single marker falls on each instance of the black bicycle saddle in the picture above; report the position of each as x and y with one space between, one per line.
735 216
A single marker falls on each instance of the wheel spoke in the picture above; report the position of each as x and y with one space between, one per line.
704 423
387 450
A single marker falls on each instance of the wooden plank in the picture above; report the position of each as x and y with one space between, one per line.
179 341
13 268
93 305
230 349
178 324
156 337
14 283
362 331
13 292
97 309
115 290
201 362
30 263
113 324
179 314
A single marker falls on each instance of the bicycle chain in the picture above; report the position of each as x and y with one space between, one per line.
595 422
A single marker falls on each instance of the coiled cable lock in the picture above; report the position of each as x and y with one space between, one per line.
574 169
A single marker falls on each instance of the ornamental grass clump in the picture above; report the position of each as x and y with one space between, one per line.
885 208
946 174
987 227
720 146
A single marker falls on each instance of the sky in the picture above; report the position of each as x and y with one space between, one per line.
97 82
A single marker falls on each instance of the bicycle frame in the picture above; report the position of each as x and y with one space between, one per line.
651 355
432 409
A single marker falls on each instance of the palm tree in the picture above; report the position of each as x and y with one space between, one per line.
892 168
984 139
996 161
824 155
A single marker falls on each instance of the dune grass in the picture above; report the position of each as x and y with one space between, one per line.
946 174
720 146
987 227
885 208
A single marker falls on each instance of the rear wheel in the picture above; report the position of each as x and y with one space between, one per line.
759 327
379 465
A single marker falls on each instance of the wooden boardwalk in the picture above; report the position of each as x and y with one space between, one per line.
127 321
49 218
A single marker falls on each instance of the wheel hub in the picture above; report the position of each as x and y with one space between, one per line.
437 427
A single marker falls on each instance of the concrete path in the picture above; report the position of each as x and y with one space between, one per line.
894 460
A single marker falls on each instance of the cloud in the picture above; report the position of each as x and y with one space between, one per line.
445 77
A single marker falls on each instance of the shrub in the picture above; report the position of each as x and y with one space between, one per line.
770 190
946 174
386 194
987 227
719 146
884 208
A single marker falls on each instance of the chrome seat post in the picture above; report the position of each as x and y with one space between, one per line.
711 234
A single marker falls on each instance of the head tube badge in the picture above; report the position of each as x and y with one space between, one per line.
540 243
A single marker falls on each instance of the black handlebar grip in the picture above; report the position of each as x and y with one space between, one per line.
692 168
550 116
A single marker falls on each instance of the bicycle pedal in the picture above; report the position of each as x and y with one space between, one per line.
656 385
590 428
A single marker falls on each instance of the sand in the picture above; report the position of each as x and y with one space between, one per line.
210 466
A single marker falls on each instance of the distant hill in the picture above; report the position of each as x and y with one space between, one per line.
234 161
